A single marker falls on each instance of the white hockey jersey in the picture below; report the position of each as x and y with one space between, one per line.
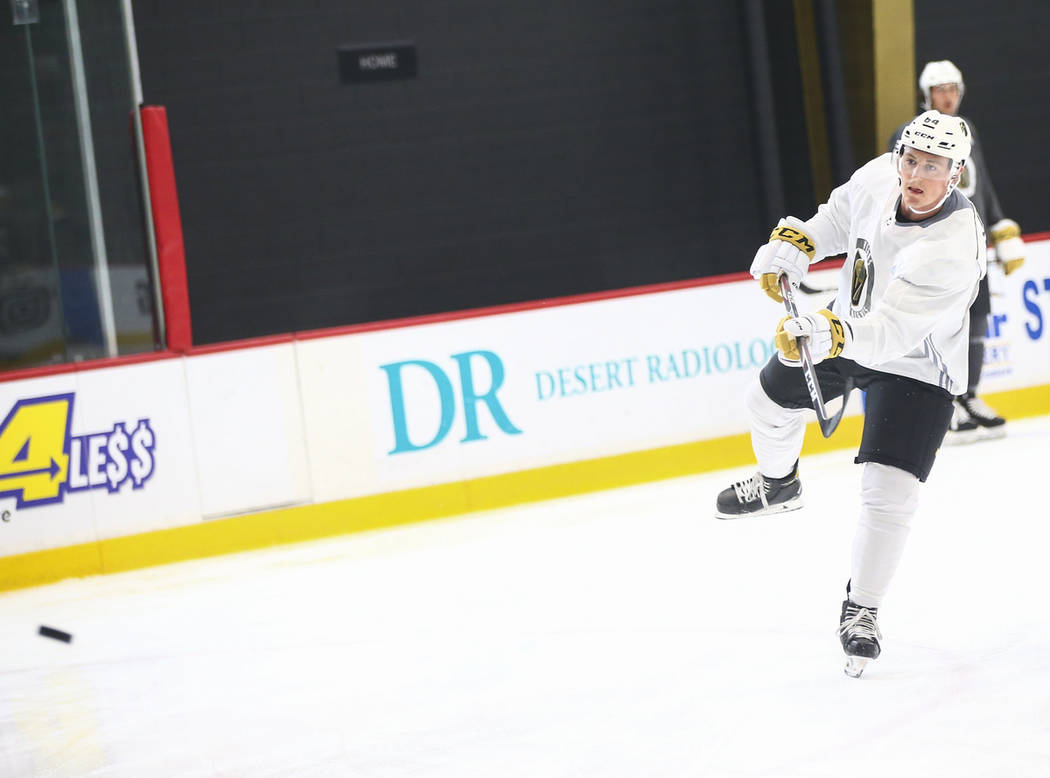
906 287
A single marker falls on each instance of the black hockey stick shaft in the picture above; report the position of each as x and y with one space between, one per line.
807 289
827 423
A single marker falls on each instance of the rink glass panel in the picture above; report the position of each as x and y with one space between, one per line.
70 210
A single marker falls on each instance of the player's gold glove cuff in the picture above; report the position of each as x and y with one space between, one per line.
786 343
1004 229
1011 265
838 332
770 283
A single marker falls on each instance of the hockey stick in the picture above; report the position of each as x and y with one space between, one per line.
807 289
827 423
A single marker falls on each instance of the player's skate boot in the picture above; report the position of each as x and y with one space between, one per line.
860 636
989 423
758 495
962 428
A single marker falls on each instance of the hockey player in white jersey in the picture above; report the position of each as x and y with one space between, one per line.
898 329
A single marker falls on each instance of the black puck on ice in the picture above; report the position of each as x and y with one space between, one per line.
56 634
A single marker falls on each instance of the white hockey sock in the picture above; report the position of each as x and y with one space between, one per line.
889 498
776 432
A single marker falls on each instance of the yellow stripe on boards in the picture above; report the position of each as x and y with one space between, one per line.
1021 403
311 522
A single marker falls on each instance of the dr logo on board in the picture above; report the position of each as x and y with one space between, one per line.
41 460
423 396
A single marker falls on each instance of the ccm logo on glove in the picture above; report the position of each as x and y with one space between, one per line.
799 239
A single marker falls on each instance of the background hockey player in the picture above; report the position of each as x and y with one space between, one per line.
941 85
898 328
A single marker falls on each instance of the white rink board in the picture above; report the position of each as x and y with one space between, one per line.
126 458
208 435
329 418
246 418
463 399
170 496
1018 346
581 381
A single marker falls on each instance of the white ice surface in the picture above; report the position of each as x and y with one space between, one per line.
626 633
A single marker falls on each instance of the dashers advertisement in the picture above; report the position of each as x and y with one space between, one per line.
94 454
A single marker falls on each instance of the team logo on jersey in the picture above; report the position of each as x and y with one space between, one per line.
862 279
41 460
860 275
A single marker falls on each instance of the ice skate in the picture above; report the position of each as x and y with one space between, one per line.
963 428
989 423
860 636
758 496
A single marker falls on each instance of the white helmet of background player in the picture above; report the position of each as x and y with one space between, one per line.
942 71
937 133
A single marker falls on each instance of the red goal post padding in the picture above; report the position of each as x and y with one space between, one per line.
167 227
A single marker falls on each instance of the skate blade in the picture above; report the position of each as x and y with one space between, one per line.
791 505
855 665
963 438
993 433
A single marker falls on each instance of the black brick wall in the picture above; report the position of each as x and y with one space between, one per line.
546 149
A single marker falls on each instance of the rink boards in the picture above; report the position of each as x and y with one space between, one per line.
251 444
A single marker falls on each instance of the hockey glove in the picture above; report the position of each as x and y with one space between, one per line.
1009 248
789 252
825 331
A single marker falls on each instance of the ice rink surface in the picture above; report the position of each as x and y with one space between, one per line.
620 634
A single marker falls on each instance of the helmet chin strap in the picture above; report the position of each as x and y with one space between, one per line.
934 208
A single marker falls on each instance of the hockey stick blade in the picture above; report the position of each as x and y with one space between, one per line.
827 423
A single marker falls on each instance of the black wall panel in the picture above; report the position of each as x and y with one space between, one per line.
545 149
1001 49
